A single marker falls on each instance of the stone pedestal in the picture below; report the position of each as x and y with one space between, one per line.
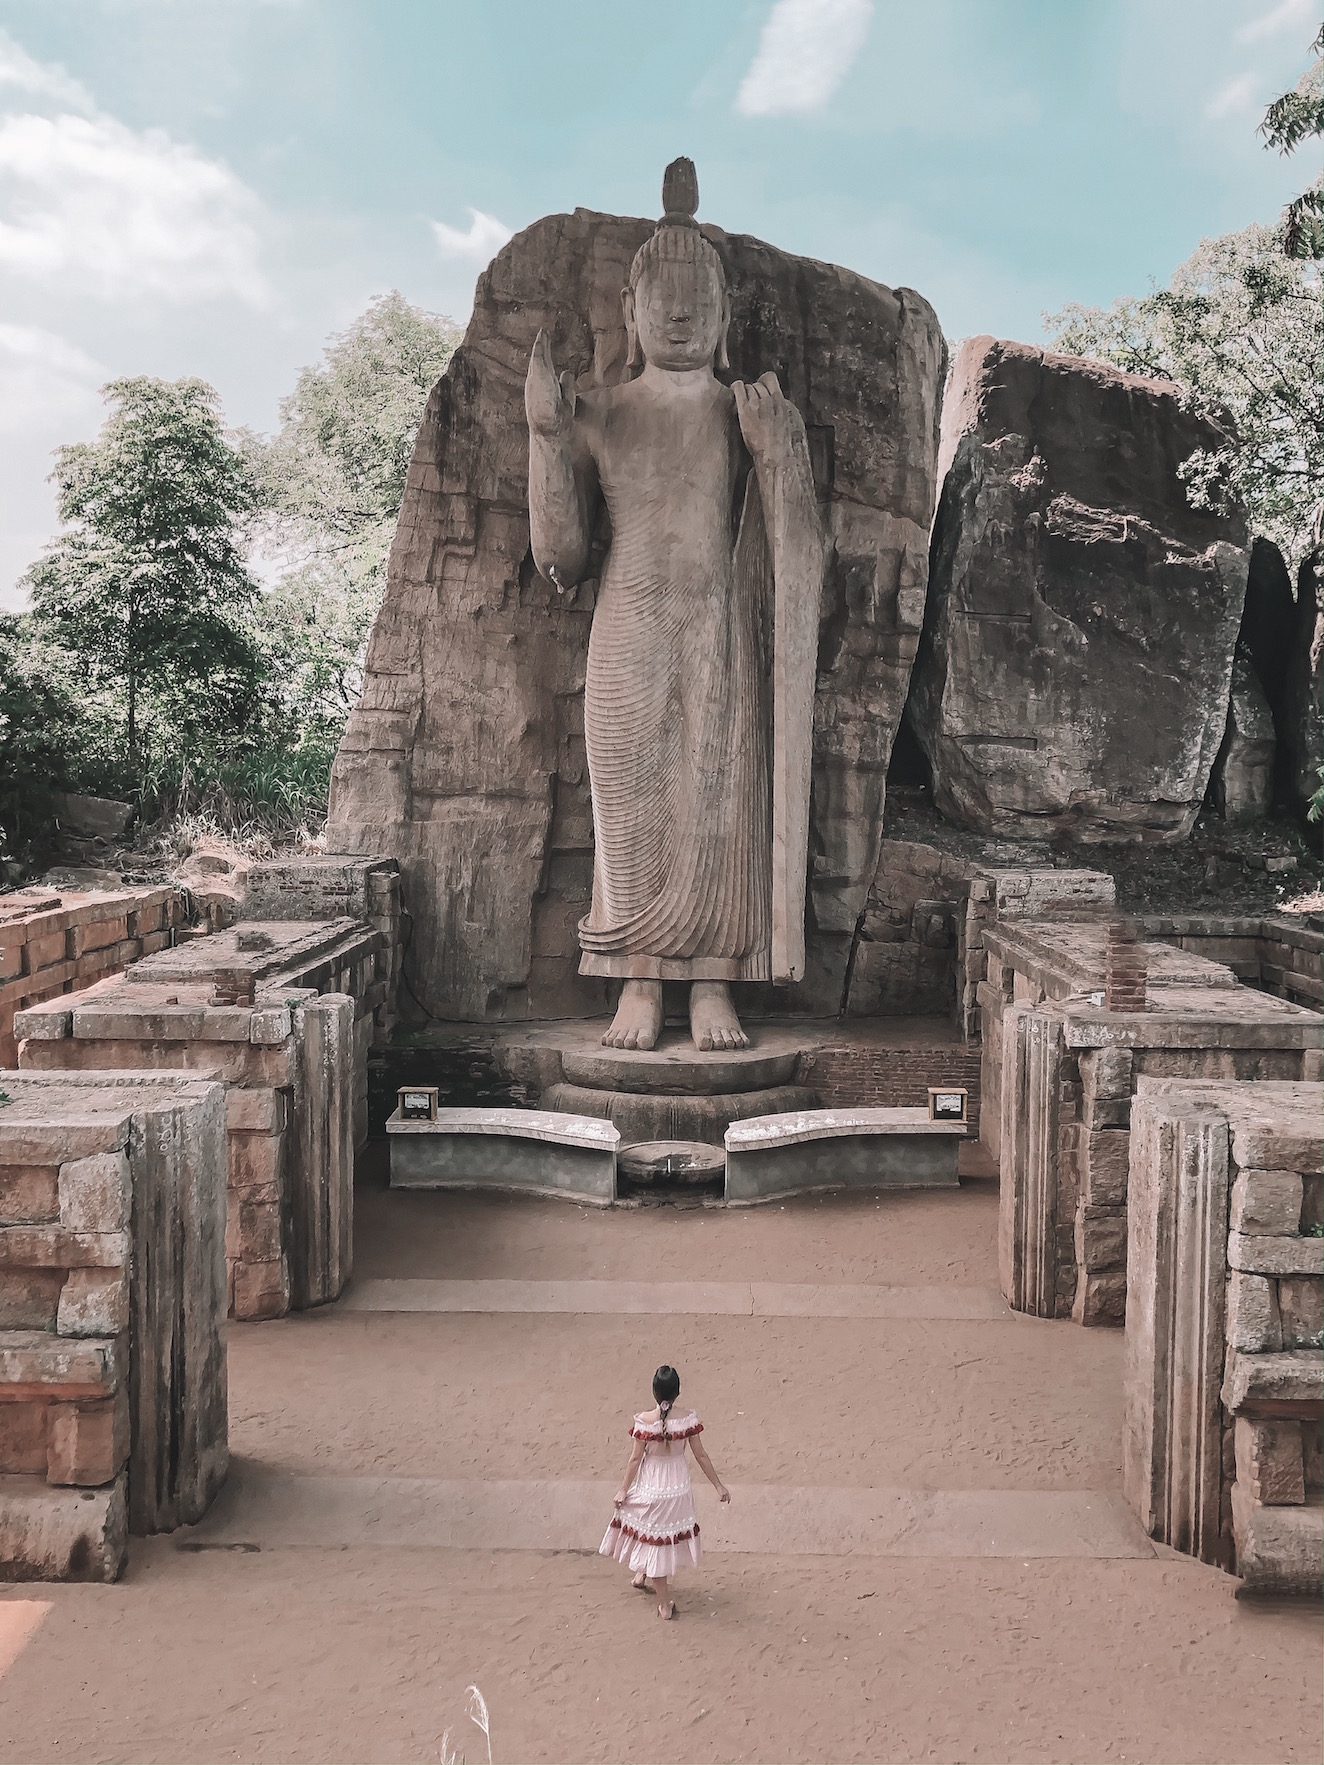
673 1092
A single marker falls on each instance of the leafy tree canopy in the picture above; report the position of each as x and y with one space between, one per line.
339 461
329 488
1296 117
147 585
1240 329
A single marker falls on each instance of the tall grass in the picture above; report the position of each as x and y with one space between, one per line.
281 794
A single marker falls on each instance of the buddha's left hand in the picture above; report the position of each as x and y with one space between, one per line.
765 416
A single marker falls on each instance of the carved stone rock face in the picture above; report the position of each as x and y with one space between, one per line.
1082 618
466 754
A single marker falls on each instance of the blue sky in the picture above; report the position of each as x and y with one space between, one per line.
212 186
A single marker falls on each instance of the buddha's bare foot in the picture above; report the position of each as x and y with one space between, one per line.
638 1019
713 1020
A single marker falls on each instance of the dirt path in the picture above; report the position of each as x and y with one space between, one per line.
339 1649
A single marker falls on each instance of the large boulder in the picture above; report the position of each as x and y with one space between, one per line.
1241 784
465 757
1074 672
1301 716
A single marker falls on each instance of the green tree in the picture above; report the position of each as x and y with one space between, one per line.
147 585
1296 117
1240 329
329 486
43 732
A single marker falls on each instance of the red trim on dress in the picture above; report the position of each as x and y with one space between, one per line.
619 1525
671 1433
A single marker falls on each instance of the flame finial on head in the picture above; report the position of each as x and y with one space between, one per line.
680 194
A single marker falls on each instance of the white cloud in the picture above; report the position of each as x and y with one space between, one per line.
1290 15
481 241
39 79
89 205
1234 98
45 381
804 54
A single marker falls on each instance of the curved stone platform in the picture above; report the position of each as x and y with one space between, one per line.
527 1150
679 1068
657 1115
571 1052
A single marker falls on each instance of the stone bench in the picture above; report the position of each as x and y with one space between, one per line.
771 1156
538 1150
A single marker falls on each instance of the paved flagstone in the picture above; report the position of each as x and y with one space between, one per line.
276 1510
758 1299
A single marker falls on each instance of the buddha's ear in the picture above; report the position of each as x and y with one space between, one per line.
722 360
634 356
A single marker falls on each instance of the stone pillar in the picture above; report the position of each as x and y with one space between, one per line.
1173 1431
178 1388
1028 1200
322 1179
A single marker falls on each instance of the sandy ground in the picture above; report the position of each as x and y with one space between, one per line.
364 1653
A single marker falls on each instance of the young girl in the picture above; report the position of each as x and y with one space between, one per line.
654 1530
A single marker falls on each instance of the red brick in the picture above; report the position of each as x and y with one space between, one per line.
261 1290
23 1434
29 1194
30 1298
88 1442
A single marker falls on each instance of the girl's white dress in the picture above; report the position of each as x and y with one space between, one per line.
656 1529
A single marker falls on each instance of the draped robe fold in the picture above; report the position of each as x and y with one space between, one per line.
698 702
675 718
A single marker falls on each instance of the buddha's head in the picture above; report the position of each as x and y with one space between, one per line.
676 308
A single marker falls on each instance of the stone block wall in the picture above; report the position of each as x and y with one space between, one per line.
292 1054
1276 952
112 1298
1067 1071
1224 1426
919 945
56 941
332 885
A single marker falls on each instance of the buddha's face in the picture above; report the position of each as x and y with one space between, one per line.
680 314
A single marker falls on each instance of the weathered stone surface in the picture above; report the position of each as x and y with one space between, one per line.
93 1302
52 1534
1254 1324
466 756
1266 1203
1301 1310
1279 1549
1074 671
1172 1440
89 1442
1268 624
1275 1256
1293 1380
1301 714
1241 784
93 817
1269 1460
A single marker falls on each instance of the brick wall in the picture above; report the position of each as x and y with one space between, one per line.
890 1078
55 941
112 1296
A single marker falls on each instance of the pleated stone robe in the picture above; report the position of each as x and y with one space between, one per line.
697 730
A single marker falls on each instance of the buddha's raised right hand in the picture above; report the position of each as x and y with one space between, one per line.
549 402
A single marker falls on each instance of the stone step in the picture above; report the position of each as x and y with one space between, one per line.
277 1510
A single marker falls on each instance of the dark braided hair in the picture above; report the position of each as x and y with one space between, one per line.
666 1389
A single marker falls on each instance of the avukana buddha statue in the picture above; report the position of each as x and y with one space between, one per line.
698 702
